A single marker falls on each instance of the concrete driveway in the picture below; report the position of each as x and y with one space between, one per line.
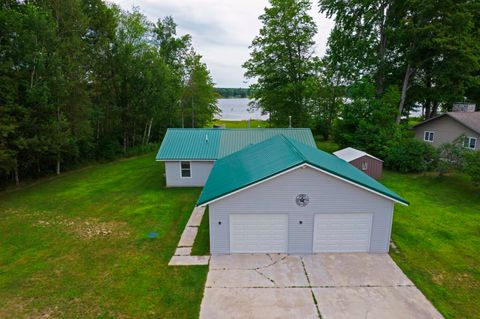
314 286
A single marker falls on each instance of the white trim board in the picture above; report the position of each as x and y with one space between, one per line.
184 160
302 165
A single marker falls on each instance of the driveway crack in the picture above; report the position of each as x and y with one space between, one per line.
311 290
269 265
265 276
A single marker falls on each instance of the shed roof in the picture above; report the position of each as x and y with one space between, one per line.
470 120
349 154
212 144
251 165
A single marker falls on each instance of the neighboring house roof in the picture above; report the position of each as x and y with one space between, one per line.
349 154
470 120
212 144
266 159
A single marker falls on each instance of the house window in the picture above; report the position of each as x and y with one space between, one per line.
364 166
470 142
428 136
185 169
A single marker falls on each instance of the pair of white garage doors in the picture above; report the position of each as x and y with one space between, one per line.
268 233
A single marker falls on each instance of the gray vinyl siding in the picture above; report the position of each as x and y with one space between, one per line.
445 130
199 173
327 195
374 166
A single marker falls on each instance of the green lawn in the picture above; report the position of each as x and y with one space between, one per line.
438 239
239 124
76 246
327 145
201 247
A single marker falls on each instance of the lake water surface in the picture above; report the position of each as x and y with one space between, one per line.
237 110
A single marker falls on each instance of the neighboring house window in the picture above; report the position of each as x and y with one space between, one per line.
185 169
364 166
428 136
470 142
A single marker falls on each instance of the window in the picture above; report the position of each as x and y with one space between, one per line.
428 136
470 142
364 166
185 169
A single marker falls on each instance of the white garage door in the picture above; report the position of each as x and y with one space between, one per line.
258 233
342 232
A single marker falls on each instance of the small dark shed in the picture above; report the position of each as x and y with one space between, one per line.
365 162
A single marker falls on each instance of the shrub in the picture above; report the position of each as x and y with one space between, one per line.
411 155
452 155
472 166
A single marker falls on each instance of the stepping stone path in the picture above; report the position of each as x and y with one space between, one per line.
182 256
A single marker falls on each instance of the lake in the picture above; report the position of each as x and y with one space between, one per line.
237 110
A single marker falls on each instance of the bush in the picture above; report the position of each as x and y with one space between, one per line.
452 155
472 166
411 155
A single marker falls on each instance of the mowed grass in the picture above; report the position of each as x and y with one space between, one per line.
438 239
76 246
240 124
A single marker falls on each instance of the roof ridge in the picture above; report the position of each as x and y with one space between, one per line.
294 148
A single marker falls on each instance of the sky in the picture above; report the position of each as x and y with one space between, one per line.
221 31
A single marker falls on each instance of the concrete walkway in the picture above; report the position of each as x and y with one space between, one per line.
184 248
314 286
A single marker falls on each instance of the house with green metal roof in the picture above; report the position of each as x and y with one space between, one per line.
283 196
273 191
189 154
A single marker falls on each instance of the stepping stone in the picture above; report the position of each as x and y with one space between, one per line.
196 217
189 260
188 237
183 251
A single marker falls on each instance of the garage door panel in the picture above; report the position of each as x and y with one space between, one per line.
342 232
258 233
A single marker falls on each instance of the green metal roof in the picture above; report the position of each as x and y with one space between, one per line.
212 144
251 165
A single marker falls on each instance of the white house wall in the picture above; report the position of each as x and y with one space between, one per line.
199 174
327 194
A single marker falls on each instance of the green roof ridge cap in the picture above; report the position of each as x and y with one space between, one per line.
290 144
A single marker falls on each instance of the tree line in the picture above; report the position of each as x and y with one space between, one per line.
384 59
83 80
233 92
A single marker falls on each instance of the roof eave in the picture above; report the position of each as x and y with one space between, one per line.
305 163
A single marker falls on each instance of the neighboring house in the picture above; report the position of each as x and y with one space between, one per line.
189 154
365 162
445 128
282 196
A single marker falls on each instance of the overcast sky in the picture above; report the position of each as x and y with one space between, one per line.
221 30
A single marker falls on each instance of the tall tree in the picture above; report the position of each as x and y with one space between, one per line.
199 100
282 61
83 80
428 48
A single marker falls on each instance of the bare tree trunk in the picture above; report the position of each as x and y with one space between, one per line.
58 163
403 96
124 141
183 118
381 51
434 110
193 114
134 133
149 129
144 133
15 172
98 130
